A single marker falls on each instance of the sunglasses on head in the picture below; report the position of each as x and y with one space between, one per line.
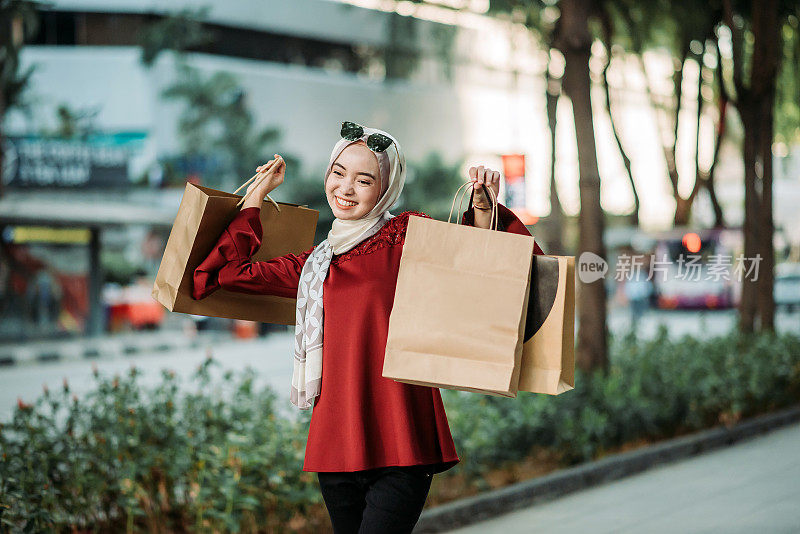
376 142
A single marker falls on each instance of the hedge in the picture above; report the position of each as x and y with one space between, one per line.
218 456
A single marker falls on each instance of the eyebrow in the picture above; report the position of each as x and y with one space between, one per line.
360 172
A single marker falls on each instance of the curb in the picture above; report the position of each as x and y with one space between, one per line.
523 494
102 347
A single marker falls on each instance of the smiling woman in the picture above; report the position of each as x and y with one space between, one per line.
353 184
375 443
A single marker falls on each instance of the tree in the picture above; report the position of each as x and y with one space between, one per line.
178 32
685 29
574 40
754 97
608 37
216 127
571 36
552 95
217 122
17 22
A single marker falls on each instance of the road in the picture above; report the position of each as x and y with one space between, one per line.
271 356
749 487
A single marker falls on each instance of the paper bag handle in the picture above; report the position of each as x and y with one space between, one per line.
261 176
493 220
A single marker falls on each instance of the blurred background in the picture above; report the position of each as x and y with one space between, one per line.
634 133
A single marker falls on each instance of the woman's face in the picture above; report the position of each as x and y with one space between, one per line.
353 185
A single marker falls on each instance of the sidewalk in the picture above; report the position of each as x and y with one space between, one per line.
106 346
751 486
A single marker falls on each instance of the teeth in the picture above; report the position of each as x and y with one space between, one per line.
345 202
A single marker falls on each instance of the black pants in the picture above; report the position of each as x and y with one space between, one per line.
380 501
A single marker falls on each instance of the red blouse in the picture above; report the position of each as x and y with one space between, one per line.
361 420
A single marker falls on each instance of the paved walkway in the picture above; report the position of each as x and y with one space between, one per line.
750 487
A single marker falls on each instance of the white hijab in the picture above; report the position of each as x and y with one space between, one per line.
343 236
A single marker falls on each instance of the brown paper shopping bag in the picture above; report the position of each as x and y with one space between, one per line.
548 355
203 215
458 314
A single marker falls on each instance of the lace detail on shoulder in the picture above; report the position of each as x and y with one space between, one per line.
392 233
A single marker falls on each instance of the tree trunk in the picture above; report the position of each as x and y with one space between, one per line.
5 46
574 41
553 92
719 218
2 141
756 104
766 248
747 305
608 30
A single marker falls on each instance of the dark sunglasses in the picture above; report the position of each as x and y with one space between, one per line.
376 142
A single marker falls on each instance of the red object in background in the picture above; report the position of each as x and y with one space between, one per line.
132 307
514 172
692 242
74 299
244 329
513 167
136 314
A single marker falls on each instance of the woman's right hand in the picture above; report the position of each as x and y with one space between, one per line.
261 187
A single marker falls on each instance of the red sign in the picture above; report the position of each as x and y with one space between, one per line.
514 172
514 167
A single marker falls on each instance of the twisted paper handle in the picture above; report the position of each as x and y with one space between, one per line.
259 176
493 199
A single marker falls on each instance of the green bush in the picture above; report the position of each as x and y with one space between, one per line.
653 390
125 458
220 458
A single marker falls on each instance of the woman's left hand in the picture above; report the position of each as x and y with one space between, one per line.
484 176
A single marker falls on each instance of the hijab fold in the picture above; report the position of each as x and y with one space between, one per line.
342 237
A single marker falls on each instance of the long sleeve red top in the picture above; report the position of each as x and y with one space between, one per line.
361 420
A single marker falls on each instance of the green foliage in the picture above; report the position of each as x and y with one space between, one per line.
653 390
430 186
787 104
217 123
216 456
178 32
117 268
217 129
18 21
401 58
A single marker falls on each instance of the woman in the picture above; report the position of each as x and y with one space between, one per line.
375 443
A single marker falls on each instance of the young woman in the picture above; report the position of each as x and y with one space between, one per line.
375 443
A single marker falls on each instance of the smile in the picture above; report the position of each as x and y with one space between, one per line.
345 204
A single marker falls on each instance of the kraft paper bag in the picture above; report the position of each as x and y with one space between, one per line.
548 354
203 215
459 308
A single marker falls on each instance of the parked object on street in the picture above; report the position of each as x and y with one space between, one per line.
203 215
132 307
699 270
787 286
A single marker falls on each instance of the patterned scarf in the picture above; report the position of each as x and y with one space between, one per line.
343 236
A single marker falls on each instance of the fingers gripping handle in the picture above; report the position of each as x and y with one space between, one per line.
258 177
463 190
